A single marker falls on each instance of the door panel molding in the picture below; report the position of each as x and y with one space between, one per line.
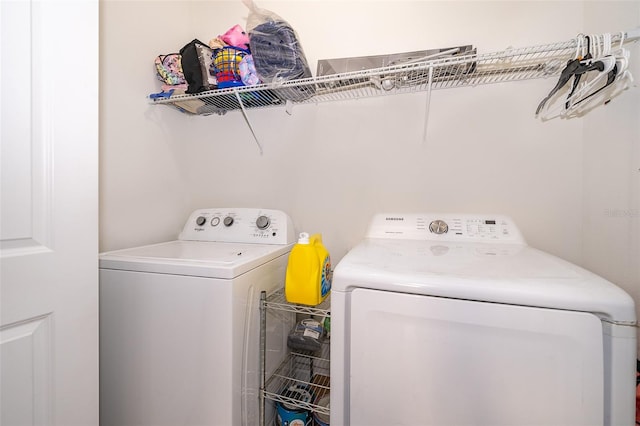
26 364
27 110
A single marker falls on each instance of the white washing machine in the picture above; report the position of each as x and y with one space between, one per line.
454 320
179 321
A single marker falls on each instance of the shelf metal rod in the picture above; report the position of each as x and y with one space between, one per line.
246 118
633 35
426 112
263 355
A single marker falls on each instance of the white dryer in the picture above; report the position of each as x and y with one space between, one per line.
179 321
454 320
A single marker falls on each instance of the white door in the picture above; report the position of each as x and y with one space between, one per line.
49 212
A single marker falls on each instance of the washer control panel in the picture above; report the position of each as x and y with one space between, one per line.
239 225
445 227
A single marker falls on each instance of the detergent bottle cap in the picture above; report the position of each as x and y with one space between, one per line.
303 238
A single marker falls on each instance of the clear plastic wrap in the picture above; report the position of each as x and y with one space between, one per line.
307 335
277 53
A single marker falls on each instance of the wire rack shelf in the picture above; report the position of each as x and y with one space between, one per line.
468 70
309 370
517 64
305 370
278 301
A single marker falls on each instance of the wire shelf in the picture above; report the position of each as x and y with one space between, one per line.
447 72
527 63
278 301
301 370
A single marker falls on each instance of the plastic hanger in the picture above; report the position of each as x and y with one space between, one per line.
565 76
606 70
587 56
603 96
596 74
612 81
599 57
575 67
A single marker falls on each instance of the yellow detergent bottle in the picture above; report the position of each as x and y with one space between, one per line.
309 274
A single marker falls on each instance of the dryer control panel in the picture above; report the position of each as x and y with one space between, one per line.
445 227
239 225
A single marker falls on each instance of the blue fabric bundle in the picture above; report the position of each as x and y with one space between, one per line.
279 57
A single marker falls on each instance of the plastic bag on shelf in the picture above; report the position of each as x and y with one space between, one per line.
307 335
277 52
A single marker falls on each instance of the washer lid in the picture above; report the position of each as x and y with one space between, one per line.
195 258
503 273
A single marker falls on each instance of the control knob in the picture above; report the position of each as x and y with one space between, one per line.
201 220
263 222
439 227
228 221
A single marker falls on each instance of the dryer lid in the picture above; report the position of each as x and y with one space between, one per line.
194 258
476 262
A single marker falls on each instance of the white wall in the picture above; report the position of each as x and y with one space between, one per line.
144 192
332 166
611 195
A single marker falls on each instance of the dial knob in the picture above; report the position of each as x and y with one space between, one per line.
201 220
439 227
263 222
228 221
215 221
